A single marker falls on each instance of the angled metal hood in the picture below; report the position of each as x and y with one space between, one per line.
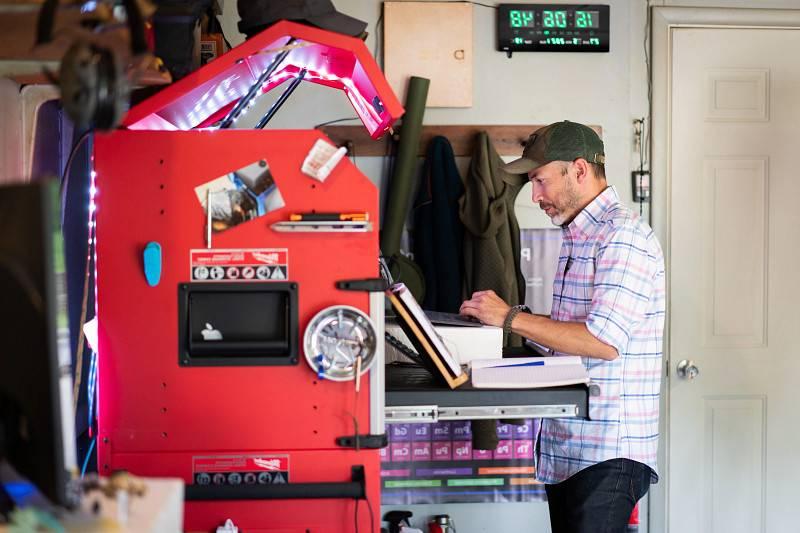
205 97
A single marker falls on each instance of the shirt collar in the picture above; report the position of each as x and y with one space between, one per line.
592 214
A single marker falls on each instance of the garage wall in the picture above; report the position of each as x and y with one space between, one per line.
530 88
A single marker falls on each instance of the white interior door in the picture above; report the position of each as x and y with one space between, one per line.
735 262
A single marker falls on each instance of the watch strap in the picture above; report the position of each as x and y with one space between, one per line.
512 313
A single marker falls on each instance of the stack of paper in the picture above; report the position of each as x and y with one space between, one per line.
528 372
465 344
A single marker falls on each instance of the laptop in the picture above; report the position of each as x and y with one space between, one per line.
440 318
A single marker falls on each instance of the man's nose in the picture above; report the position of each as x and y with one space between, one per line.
536 192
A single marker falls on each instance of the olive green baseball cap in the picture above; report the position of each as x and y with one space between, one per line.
560 141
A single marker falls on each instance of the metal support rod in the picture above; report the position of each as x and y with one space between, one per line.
356 489
293 491
281 100
245 100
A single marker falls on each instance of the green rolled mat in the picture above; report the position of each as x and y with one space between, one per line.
402 183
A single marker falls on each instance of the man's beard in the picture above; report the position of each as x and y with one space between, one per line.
565 209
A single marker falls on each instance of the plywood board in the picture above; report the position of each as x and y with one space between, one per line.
431 40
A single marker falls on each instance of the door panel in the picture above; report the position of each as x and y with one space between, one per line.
735 257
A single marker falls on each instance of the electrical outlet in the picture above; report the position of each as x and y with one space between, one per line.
640 182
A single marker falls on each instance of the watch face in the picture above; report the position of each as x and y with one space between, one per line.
334 340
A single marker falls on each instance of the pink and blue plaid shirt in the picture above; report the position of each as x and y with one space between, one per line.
611 277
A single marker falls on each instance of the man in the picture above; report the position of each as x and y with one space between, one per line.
608 307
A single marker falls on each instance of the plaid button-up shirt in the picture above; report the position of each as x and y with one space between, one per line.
611 277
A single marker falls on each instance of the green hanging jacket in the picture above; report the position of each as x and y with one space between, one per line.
491 237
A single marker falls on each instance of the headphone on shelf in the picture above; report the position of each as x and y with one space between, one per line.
95 88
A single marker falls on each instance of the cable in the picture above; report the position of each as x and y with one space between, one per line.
351 149
334 121
88 455
371 516
404 349
67 168
64 188
378 38
645 153
356 515
84 303
490 6
649 81
91 387
387 168
640 127
484 5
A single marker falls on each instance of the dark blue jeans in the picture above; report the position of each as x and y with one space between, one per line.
598 499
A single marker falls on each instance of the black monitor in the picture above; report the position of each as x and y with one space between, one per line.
37 436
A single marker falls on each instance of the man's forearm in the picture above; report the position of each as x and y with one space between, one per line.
568 337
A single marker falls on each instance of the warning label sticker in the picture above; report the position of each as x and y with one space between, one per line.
240 469
245 264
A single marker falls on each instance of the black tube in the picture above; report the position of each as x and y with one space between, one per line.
253 91
304 491
281 100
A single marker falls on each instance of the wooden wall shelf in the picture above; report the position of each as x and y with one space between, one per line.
507 140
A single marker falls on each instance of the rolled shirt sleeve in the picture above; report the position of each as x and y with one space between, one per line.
623 286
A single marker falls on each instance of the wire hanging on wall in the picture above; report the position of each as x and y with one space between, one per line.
645 152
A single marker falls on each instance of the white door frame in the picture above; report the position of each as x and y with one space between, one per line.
664 21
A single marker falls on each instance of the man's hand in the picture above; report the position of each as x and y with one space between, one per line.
487 307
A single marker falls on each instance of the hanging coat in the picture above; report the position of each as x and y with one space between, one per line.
491 237
438 232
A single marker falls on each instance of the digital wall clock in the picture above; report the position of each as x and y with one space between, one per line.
553 28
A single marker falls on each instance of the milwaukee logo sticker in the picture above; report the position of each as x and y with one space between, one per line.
244 264
268 464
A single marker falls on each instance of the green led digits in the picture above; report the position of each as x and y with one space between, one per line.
527 18
520 19
587 19
554 19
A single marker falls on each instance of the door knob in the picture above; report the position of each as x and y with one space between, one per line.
687 369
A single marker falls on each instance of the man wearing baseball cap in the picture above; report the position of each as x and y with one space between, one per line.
608 307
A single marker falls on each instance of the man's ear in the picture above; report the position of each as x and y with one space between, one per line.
581 169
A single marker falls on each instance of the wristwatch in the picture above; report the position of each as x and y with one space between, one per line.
513 312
